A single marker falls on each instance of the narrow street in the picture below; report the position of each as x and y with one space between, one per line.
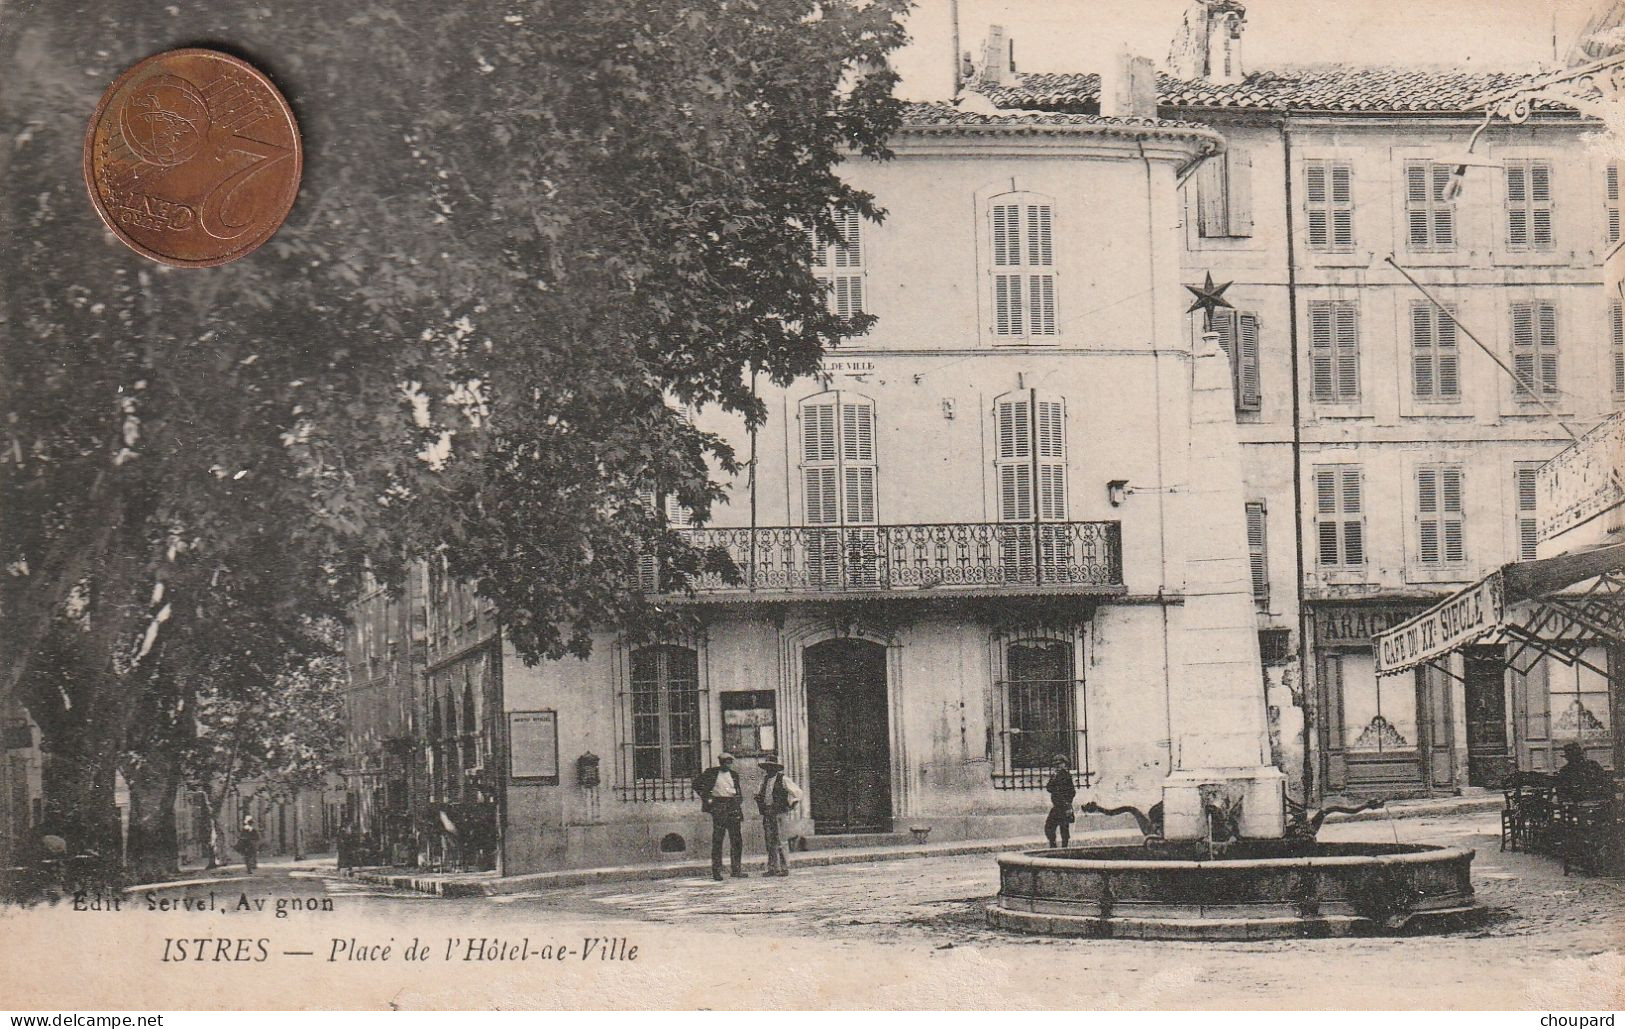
896 934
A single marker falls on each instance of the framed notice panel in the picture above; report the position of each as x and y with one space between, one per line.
533 745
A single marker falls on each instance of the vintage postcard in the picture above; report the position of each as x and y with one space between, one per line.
812 504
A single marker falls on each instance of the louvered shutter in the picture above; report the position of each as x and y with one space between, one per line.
1444 214
1051 460
1523 349
819 463
1416 204
1427 515
1212 219
1342 207
1422 383
1617 321
1041 274
1015 460
1452 515
1007 280
1256 552
1540 200
1528 538
1317 210
1248 397
1348 351
858 462
1353 517
1517 207
1449 362
1239 192
1547 323
1326 517
848 270
1320 352
1611 201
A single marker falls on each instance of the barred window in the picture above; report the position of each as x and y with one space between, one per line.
1041 711
663 723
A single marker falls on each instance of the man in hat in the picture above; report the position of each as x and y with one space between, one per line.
1061 794
720 795
776 799
248 841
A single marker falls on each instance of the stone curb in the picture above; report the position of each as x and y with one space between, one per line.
491 886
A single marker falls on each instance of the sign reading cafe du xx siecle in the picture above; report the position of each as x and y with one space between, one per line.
1443 627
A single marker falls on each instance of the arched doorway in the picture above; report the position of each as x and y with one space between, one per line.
848 736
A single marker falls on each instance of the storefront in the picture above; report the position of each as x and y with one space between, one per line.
1386 736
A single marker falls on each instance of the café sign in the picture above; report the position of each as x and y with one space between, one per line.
1451 623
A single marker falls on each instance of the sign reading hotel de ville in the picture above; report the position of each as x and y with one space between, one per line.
1443 627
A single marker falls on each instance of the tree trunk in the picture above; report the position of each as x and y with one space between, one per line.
154 848
78 779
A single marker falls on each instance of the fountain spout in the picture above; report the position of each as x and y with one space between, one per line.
1150 822
1305 824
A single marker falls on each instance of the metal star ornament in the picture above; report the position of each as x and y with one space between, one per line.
1209 298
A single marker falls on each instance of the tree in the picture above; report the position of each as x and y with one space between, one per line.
476 335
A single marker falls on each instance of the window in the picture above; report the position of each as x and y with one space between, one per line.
1224 196
1339 516
1525 529
1534 349
1238 334
662 749
1329 205
839 264
1529 205
1258 553
1023 268
1440 521
839 478
1435 361
1039 705
1611 201
1616 347
1030 465
1334 351
1430 217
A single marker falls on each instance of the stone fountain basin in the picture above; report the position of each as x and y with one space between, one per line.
1259 889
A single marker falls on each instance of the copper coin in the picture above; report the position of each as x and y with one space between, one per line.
193 158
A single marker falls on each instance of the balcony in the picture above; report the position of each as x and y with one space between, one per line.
953 558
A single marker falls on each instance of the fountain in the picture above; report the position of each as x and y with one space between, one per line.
1219 858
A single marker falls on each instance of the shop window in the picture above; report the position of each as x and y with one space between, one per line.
748 727
1577 704
1040 711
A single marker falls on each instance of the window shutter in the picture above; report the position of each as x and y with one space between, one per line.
1041 281
1239 198
1248 398
1014 455
858 462
1450 507
1540 197
1051 456
1517 209
1006 283
1427 515
1611 201
1224 323
1342 207
1315 194
1416 203
1212 218
1548 348
1326 516
1444 214
1256 552
1320 351
819 453
1348 352
1353 518
1523 349
1617 320
1526 523
1422 385
1449 357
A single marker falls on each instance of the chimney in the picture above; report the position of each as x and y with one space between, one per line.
998 58
1129 89
1226 19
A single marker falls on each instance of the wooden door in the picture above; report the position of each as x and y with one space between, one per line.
1485 690
849 737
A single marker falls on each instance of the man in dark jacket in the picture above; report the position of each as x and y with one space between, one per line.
721 795
1061 794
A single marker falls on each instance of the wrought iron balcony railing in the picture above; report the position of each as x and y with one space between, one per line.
1086 556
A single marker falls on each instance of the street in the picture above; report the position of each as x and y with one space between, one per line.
894 935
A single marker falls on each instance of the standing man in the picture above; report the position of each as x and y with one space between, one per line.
1061 794
777 798
248 841
720 794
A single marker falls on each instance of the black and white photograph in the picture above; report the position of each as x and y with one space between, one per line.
802 505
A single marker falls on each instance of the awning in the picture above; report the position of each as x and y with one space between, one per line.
1559 606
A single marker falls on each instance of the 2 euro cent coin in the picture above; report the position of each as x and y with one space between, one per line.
193 158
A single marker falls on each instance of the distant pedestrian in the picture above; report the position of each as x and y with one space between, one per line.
248 841
721 796
1061 794
778 796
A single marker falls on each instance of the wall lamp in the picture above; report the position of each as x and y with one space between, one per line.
1117 491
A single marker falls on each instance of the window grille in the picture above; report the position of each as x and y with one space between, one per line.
838 264
664 721
1340 516
1041 709
1238 334
1023 267
1529 205
1430 217
1435 359
1534 350
1329 206
1440 516
1334 351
